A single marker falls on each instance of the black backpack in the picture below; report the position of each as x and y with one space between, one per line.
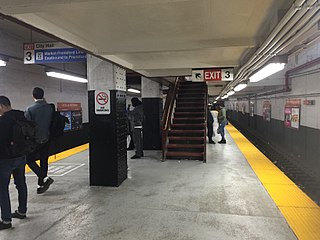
57 125
23 138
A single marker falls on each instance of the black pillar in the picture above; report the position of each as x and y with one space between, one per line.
108 140
152 108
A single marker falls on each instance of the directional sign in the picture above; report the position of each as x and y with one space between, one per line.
197 75
51 52
102 102
212 74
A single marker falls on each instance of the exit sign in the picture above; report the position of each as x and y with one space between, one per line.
212 74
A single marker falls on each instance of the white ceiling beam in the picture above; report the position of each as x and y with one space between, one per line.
154 46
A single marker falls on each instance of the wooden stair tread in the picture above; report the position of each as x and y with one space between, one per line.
188 124
185 138
184 154
173 145
188 118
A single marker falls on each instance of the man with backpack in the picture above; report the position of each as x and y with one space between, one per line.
41 113
10 163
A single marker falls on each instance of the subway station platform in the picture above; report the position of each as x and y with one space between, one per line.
226 198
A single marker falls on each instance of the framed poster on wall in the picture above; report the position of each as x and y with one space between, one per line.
73 112
251 108
266 113
292 113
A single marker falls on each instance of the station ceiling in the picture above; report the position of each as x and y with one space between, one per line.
157 38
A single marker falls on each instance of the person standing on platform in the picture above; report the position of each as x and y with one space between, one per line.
222 120
41 113
136 119
10 164
210 121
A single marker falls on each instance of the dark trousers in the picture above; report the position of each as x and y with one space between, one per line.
210 130
16 167
131 144
138 141
42 153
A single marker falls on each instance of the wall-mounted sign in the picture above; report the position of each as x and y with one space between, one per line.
266 113
292 113
51 52
73 112
309 102
212 74
102 102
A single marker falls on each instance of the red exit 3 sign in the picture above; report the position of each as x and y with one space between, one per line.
212 74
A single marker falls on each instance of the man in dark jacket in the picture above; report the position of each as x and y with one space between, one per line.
136 118
14 165
210 121
40 113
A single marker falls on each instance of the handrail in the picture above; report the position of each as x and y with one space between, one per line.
167 115
205 128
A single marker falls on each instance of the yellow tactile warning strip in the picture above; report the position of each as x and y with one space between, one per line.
301 213
64 154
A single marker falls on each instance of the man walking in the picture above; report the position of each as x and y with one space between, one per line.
10 164
40 113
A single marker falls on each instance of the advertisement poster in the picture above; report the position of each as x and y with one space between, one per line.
68 125
243 108
292 113
266 113
251 109
73 112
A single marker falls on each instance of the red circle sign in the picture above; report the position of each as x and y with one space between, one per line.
102 98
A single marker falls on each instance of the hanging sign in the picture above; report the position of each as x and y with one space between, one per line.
102 102
292 113
51 52
212 74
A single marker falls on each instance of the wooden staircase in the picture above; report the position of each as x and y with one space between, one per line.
187 135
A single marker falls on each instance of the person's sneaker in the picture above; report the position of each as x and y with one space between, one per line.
211 142
5 225
135 157
16 214
45 186
222 141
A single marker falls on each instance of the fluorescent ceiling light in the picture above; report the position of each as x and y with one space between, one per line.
225 96
267 71
3 63
240 86
230 93
133 90
215 102
217 98
66 76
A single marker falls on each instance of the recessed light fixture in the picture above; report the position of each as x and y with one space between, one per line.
66 76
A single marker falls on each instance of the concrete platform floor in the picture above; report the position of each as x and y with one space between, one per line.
172 200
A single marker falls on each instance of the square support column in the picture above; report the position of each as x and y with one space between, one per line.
108 123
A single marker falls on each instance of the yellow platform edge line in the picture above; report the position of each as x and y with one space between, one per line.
62 155
303 217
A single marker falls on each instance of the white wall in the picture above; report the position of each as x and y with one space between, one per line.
304 87
17 81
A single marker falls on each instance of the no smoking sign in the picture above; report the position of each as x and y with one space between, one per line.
102 102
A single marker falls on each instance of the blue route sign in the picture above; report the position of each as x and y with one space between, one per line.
51 52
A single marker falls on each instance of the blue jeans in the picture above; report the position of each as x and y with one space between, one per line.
222 126
16 167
